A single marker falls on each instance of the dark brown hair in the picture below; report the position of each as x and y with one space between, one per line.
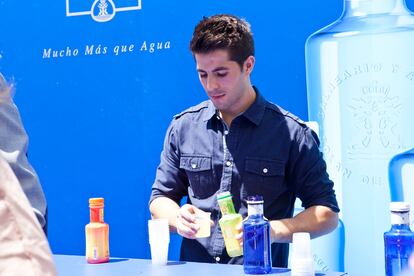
223 32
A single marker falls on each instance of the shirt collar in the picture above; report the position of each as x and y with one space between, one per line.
254 113
210 112
256 110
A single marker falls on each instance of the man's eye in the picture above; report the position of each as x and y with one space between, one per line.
221 74
202 76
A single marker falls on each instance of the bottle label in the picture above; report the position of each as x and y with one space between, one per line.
97 242
255 209
400 218
97 215
101 215
226 206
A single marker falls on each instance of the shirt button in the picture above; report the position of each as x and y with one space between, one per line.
265 170
226 132
228 163
217 259
193 166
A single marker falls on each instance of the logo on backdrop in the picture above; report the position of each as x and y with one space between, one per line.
100 10
104 11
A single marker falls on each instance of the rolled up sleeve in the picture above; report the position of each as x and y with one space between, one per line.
170 180
312 183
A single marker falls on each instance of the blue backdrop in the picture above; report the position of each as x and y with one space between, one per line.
97 97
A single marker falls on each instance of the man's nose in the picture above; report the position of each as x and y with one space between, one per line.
212 83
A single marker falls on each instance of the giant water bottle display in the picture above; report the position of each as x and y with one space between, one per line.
360 80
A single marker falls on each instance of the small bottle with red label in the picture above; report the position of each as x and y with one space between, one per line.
97 233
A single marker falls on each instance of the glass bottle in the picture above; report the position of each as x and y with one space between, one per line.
228 223
399 241
97 233
256 239
360 78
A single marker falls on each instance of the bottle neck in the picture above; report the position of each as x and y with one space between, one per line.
226 206
354 8
96 214
255 209
400 218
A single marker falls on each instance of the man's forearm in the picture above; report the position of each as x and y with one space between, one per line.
316 220
163 207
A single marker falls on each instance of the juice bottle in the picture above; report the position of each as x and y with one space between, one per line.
230 219
97 233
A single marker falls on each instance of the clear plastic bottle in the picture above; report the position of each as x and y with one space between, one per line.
360 78
97 233
399 241
228 223
256 239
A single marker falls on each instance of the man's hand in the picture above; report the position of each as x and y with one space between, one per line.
239 235
186 224
181 220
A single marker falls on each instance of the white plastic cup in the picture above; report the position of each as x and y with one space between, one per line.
302 259
159 239
203 221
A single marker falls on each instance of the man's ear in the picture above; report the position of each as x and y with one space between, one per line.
248 64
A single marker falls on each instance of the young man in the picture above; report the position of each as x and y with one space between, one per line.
239 142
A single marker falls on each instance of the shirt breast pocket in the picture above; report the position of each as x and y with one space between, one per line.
264 177
200 175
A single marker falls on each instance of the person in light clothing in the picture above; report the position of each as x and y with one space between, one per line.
13 148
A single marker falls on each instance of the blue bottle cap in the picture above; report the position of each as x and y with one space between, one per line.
256 199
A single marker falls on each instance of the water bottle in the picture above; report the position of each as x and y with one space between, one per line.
360 80
399 241
256 239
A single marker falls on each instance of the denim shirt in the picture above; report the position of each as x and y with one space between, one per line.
267 151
